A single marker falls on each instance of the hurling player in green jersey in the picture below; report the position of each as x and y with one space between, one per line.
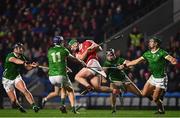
156 59
12 79
57 58
118 78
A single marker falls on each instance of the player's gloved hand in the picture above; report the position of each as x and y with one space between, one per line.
34 64
120 67
26 63
31 64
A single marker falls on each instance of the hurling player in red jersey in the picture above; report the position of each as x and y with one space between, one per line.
87 51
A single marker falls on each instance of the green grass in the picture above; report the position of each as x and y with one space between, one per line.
86 113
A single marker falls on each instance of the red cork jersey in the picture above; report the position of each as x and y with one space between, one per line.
83 47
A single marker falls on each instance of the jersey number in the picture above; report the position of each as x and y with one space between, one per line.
56 57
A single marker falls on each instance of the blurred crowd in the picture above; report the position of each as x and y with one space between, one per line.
35 22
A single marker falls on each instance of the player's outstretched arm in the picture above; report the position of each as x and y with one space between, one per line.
134 62
16 61
28 65
171 59
129 64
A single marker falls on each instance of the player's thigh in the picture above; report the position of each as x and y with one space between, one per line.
85 73
62 92
96 82
8 84
69 89
157 93
133 89
57 90
21 86
148 89
67 85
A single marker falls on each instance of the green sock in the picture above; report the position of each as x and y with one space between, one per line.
62 101
73 108
114 107
33 105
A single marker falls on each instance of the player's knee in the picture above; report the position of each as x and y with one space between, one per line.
56 93
77 77
13 100
25 92
155 99
144 94
97 88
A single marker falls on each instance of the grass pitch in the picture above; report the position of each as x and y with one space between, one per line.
87 113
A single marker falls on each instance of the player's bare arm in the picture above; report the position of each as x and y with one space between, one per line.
122 66
171 59
95 47
125 64
28 66
134 62
16 61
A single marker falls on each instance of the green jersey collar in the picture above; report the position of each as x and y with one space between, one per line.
16 55
154 51
57 45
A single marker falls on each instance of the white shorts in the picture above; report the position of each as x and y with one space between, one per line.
60 81
158 82
95 67
10 84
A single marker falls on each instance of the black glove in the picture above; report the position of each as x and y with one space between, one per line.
27 62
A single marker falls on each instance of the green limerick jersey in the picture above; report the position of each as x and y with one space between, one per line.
12 70
156 62
115 74
57 60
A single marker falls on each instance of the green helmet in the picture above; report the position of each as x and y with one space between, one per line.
72 41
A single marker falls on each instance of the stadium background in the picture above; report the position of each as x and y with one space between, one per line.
35 22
